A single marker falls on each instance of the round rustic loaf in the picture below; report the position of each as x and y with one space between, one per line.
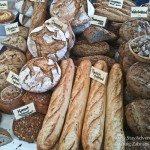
39 75
40 100
138 80
10 99
4 71
138 117
27 128
47 41
13 57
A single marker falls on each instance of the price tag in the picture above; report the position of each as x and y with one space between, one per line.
116 3
13 78
24 111
139 12
38 1
59 24
98 75
3 5
12 28
98 20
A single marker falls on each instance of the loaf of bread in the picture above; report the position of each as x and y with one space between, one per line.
55 117
24 20
137 115
84 48
95 34
71 134
114 134
93 126
94 59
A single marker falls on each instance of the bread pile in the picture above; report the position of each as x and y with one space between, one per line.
53 56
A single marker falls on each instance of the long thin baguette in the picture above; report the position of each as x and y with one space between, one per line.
70 137
54 120
93 127
114 134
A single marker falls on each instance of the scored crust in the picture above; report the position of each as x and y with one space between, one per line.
6 16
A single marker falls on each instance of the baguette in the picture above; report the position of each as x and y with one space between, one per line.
39 15
114 134
54 119
93 127
70 137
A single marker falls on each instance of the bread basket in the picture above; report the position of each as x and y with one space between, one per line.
139 57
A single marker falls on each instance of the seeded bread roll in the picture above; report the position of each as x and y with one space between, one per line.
137 115
83 48
27 128
40 100
114 134
93 126
71 134
55 117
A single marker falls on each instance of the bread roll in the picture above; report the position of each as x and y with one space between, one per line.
54 120
71 134
93 126
114 134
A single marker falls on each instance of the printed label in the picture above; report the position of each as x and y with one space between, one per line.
139 12
3 5
116 3
98 20
38 1
12 28
98 75
24 111
13 78
59 24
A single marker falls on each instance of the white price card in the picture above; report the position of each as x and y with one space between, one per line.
139 12
38 1
62 26
3 5
98 20
24 111
116 3
13 78
12 28
98 75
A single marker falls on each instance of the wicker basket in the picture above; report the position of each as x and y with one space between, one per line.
139 57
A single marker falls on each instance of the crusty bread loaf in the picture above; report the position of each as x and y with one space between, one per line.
38 20
93 126
114 134
71 134
54 120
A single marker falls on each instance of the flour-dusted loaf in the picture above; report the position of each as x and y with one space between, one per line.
71 134
65 9
55 117
138 116
47 41
114 134
95 34
24 7
93 126
13 57
15 42
39 75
